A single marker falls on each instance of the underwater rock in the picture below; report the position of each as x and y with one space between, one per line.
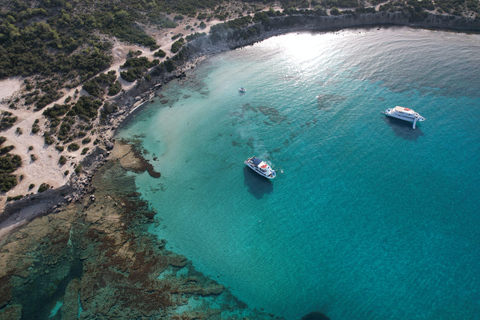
13 312
328 101
272 114
70 305
133 160
101 260
315 316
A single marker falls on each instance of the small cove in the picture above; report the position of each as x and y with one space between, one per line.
368 218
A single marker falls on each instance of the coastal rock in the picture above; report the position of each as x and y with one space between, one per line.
6 290
70 301
13 312
109 145
134 161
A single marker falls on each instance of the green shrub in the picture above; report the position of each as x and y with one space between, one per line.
43 187
194 36
86 140
7 181
132 54
62 160
114 88
84 151
48 138
59 148
177 45
6 120
15 198
6 149
170 65
78 169
31 186
86 108
160 53
93 88
175 37
73 147
334 11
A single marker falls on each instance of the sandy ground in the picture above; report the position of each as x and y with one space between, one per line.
46 168
9 87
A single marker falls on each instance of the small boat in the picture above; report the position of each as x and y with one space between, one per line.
242 90
260 167
404 114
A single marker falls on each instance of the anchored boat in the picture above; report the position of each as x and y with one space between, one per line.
404 114
260 167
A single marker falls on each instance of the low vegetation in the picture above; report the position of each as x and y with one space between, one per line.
136 68
73 147
103 83
7 120
43 187
177 45
62 160
160 53
8 164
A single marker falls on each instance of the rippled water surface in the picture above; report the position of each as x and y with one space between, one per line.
367 218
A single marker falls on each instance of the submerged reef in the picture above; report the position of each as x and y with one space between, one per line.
94 259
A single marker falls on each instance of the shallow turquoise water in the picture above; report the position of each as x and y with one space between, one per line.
367 218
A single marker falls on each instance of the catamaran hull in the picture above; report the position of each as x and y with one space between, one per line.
391 113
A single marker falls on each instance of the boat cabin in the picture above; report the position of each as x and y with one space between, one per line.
405 111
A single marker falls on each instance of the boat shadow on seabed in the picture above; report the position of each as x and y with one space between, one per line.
257 185
403 129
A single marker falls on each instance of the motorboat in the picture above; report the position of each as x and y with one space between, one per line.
260 167
242 90
405 114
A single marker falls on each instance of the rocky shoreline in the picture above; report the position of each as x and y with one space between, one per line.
95 259
75 198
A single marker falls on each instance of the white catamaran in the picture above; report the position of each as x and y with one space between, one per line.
404 114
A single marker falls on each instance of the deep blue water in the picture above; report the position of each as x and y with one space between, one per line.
367 218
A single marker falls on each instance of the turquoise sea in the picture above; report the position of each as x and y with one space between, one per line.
367 218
